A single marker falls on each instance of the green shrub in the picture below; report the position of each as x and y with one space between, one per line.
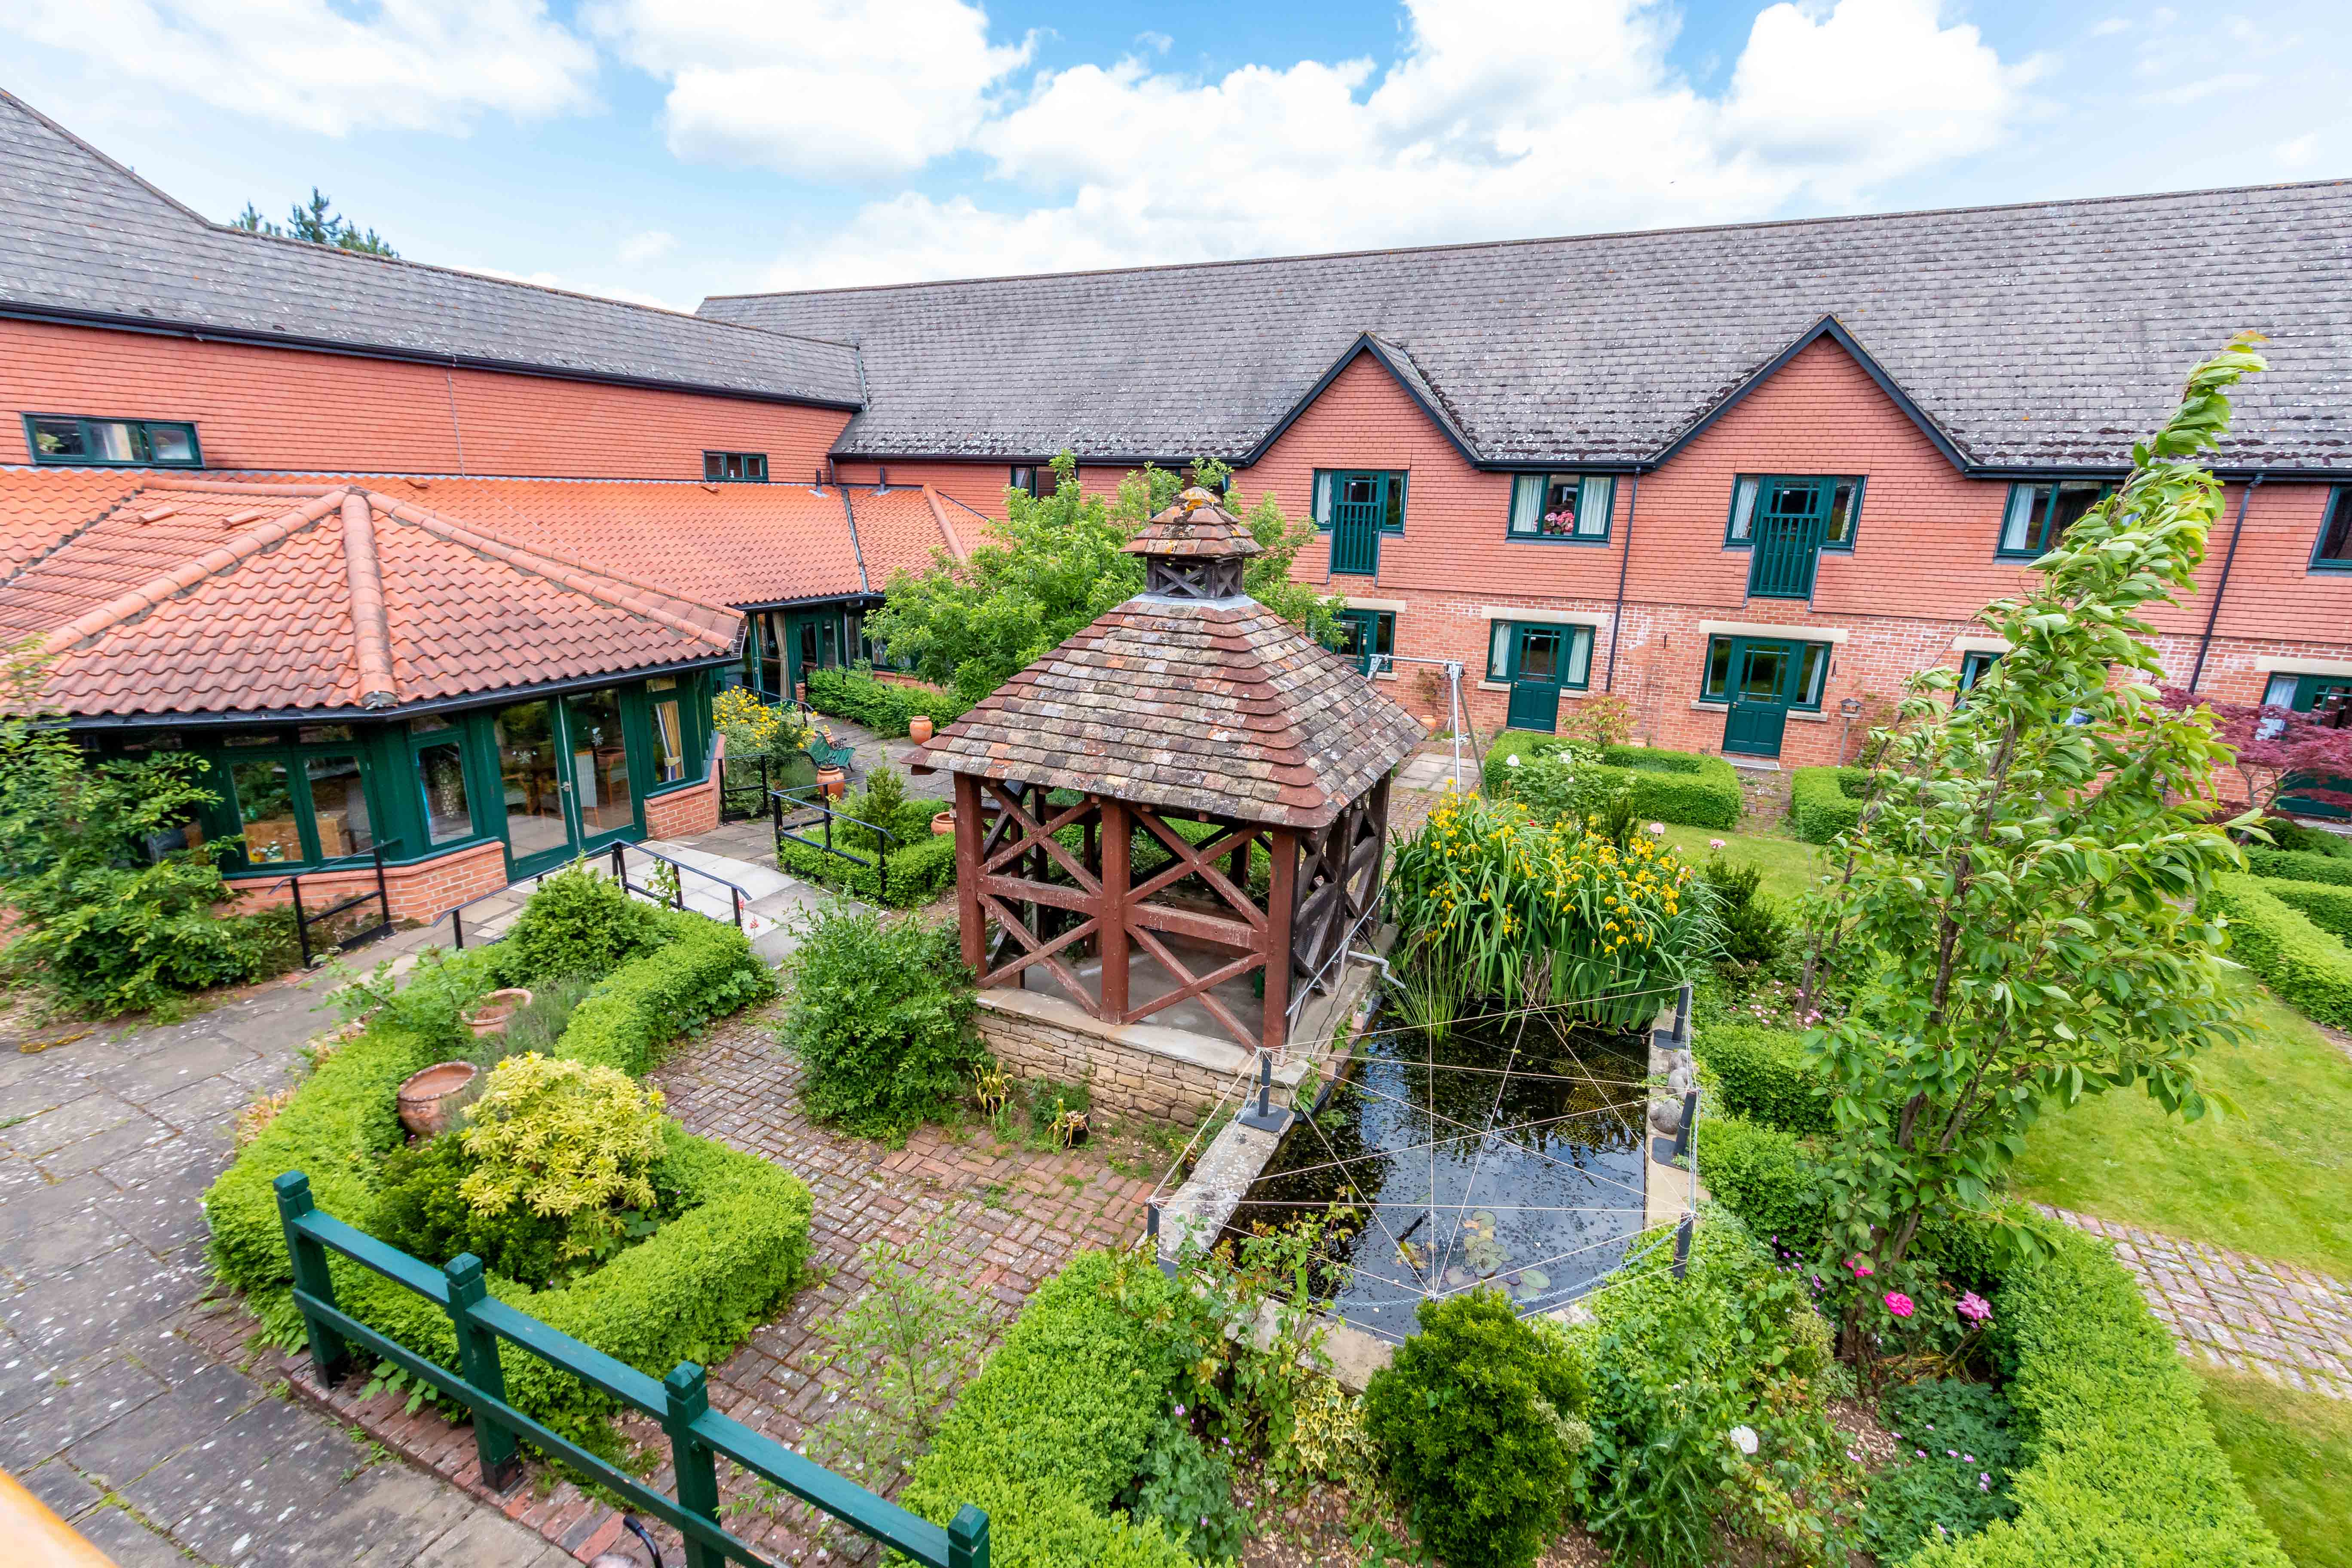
1189 1489
881 1012
2298 865
1755 933
1669 786
431 1006
419 1210
2288 834
2121 1464
1476 1424
2297 959
2327 905
707 970
1826 802
567 1140
1953 1455
1761 1074
883 706
1762 1176
921 863
1055 1426
578 922
1677 1366
691 1291
539 1026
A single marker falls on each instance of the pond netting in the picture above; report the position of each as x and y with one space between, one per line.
1502 1150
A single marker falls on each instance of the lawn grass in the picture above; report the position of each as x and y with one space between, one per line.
1790 867
2274 1180
2293 1453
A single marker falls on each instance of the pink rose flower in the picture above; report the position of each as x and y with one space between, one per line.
1862 1270
1974 1308
1899 1303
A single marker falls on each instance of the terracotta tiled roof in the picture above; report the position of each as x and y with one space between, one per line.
1191 705
741 545
191 595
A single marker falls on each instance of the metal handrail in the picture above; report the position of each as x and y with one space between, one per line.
303 922
739 895
881 862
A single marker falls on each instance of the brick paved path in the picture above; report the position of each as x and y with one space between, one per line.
111 1412
2291 1325
1016 1217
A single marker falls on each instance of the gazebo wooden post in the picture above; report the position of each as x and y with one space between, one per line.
1110 940
1281 902
967 849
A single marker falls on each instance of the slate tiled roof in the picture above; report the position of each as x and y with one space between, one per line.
81 236
742 544
193 596
2035 335
1189 705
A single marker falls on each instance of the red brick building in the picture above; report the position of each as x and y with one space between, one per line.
1736 475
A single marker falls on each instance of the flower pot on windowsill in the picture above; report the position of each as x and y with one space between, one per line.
429 1101
943 823
494 1012
919 729
835 782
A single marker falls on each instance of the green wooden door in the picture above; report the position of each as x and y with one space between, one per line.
1359 638
1359 505
1787 534
1763 678
1539 657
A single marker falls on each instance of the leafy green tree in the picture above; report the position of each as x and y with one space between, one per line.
103 925
1056 564
317 222
2019 920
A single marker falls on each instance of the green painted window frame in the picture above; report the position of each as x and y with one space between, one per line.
452 731
1846 492
2336 531
139 435
2038 497
1023 476
1379 632
1396 487
1811 662
1531 494
374 746
715 466
1503 651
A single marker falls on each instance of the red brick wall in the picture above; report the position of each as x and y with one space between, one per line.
284 408
416 892
684 811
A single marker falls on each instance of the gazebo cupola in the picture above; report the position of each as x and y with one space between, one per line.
1178 815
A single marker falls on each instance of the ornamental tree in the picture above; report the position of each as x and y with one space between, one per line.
2019 918
1054 564
2278 750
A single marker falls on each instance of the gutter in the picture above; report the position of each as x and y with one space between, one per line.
2213 615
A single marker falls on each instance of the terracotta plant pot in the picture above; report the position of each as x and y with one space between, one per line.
918 728
494 1012
835 782
431 1100
943 823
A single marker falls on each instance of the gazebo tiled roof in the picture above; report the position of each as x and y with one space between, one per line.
1190 704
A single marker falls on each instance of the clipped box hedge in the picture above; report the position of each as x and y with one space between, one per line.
1053 1427
1764 1176
705 971
2299 866
1761 1074
2328 905
691 1291
882 706
1826 802
1671 786
2296 958
2123 1469
919 873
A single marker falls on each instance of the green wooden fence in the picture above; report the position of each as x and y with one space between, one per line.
680 1401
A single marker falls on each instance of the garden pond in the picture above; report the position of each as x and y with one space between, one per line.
1506 1151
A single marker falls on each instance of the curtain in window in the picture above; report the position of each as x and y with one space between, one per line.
2017 527
1580 649
1322 500
1498 652
1592 508
1743 509
1526 502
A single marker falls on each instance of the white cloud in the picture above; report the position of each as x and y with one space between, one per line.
1501 118
827 89
644 249
430 65
2300 151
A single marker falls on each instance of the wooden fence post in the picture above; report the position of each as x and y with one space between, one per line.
688 1397
478 1364
328 1350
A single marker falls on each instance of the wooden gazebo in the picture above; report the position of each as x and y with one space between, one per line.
1184 795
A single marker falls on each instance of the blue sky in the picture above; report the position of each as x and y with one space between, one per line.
666 149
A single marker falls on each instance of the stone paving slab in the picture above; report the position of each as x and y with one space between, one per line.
2290 1325
159 1451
